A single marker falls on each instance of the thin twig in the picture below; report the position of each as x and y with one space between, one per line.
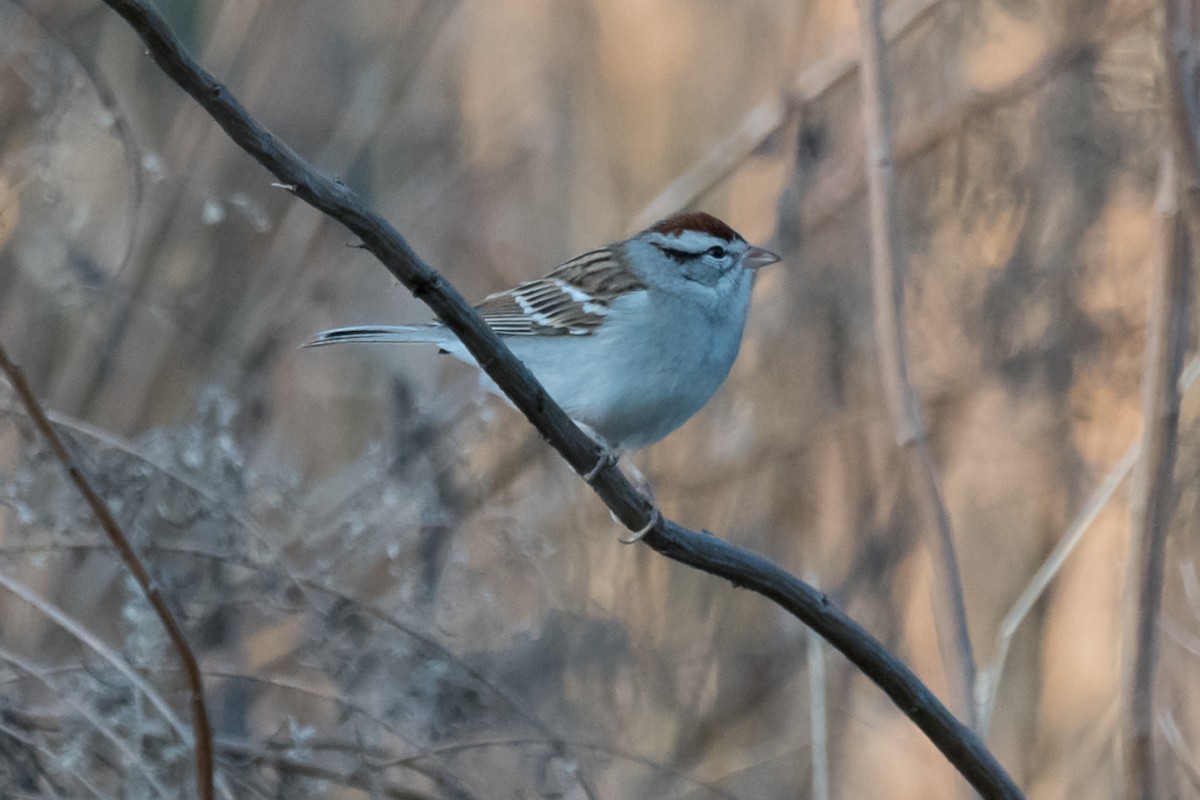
365 607
1184 754
888 267
658 766
444 779
201 730
131 756
708 553
93 642
357 778
55 756
987 682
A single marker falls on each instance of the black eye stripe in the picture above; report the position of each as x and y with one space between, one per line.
680 256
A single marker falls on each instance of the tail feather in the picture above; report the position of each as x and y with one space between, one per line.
433 334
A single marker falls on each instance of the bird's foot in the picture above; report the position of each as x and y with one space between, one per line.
607 459
608 456
642 484
655 518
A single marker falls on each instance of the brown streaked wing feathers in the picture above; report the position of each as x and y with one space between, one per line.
599 274
545 308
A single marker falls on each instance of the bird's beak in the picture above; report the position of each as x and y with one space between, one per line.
757 257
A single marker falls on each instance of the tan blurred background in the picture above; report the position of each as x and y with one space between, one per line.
396 589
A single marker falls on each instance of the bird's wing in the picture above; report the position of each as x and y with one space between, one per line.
573 299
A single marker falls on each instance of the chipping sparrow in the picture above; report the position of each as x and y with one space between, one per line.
631 339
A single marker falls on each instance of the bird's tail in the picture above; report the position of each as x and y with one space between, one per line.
434 334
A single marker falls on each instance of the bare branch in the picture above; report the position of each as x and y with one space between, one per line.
201 730
888 267
705 552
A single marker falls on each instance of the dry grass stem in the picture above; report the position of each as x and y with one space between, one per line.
201 730
988 681
1185 755
92 642
1165 345
133 757
888 266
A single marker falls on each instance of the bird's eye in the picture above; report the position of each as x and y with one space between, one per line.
716 251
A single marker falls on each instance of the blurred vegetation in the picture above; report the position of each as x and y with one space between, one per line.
395 588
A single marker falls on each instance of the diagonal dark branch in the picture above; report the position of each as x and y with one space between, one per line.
705 552
888 266
201 730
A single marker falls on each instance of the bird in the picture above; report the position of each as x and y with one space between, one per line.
631 339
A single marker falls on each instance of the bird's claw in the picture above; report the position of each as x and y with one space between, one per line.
655 518
607 459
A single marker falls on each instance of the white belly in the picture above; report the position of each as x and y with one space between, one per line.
634 384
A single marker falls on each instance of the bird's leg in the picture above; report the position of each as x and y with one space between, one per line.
642 484
655 518
610 457
607 459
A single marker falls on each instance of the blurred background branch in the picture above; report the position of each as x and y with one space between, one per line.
1167 342
1155 503
201 729
889 266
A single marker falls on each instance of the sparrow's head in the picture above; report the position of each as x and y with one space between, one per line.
703 248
